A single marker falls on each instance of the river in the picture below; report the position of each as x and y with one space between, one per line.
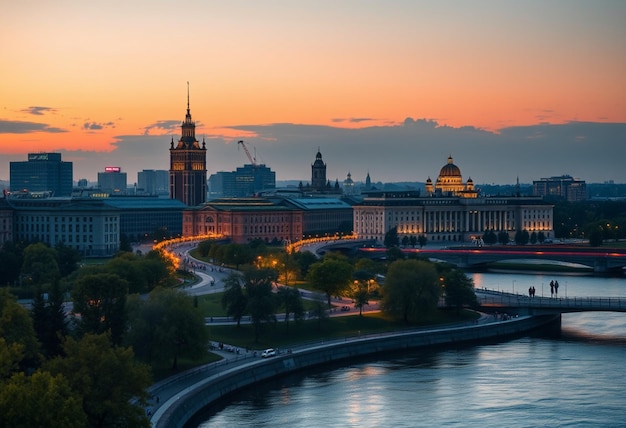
572 379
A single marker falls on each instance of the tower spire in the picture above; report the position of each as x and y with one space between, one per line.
187 97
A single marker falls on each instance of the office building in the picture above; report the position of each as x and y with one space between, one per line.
42 173
563 188
152 182
112 181
246 181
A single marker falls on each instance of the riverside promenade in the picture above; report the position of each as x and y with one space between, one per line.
177 399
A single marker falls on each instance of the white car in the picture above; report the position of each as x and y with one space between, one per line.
268 353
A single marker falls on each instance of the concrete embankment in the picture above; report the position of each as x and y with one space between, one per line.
181 407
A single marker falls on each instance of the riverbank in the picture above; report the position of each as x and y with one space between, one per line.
183 396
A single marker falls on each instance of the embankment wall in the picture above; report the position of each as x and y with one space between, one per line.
178 410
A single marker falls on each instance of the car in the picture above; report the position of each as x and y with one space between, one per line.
345 308
268 353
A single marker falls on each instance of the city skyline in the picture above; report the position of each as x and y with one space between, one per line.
508 89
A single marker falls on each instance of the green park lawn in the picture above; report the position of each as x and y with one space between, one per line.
281 335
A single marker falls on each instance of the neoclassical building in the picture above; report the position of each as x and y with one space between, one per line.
245 219
450 211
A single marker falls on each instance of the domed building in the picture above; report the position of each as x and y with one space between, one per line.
451 211
450 182
348 185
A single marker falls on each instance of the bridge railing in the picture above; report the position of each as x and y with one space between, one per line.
493 297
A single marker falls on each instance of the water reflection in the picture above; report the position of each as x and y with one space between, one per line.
571 378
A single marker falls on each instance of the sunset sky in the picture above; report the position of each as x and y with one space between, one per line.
510 89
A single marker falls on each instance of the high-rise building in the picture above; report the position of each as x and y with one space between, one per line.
43 172
188 165
112 181
249 180
153 182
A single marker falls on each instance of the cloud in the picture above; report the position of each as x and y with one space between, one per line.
38 110
95 126
354 120
164 126
409 151
22 127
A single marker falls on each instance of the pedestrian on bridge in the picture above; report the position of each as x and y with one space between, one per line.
556 288
551 288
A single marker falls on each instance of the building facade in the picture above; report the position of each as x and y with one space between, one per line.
147 217
323 216
453 212
246 181
153 182
6 222
245 219
112 181
43 172
87 225
564 188
188 174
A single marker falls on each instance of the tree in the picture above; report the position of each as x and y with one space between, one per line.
234 300
522 237
391 238
40 400
16 327
40 265
595 237
503 237
490 237
405 240
49 320
541 237
320 312
411 290
127 267
68 258
107 378
166 327
261 301
156 269
413 240
10 263
533 238
11 355
238 254
459 289
394 253
422 240
330 276
305 259
292 302
360 292
100 300
125 243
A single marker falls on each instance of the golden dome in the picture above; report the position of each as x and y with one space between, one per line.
450 169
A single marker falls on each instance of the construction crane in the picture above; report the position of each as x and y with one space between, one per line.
245 149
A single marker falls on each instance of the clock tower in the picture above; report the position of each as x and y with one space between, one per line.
188 165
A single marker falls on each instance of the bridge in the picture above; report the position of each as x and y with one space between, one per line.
600 260
491 300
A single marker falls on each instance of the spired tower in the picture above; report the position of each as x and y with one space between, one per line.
188 165
318 172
